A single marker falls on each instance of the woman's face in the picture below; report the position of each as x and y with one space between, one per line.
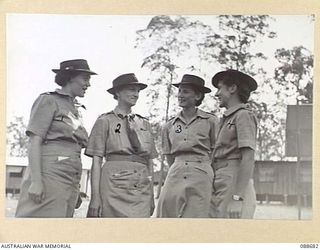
79 84
187 96
223 94
128 95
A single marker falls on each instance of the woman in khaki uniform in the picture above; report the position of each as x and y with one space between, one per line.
123 187
188 140
50 186
233 162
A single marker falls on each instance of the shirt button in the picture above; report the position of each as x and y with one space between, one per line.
186 127
185 177
184 139
186 163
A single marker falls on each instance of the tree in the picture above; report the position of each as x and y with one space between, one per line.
165 42
232 46
235 47
295 73
17 140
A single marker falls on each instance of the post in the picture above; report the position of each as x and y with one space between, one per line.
299 140
298 161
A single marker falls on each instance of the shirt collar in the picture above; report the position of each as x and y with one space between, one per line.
121 114
61 92
75 101
199 113
235 108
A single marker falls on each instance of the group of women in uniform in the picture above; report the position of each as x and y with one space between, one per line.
210 161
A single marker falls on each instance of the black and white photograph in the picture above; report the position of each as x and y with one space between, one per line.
159 116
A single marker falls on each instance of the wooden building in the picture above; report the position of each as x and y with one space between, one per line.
273 180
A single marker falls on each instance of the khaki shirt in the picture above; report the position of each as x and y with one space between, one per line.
55 117
238 129
196 137
109 136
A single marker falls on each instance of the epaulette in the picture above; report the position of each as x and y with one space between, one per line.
248 107
209 113
142 117
48 93
105 114
171 119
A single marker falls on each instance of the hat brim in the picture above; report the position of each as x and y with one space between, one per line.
203 89
243 77
75 70
114 89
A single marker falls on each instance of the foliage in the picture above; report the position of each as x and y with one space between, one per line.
17 140
173 46
236 47
232 46
295 72
165 43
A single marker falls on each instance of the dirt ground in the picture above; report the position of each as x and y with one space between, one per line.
263 211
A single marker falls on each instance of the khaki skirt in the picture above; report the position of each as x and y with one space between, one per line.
225 180
187 190
125 189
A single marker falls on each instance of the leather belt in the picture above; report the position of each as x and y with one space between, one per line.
131 158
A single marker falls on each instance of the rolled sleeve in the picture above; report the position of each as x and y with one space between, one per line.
97 139
41 117
246 130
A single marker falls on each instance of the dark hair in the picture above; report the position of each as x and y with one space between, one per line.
243 89
63 77
198 102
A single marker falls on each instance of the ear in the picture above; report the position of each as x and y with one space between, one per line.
233 88
116 95
199 96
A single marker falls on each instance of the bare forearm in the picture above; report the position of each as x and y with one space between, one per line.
34 157
245 171
95 175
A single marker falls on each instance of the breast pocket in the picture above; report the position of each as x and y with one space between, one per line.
202 129
145 139
228 132
201 134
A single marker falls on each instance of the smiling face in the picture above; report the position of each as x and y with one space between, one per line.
224 94
187 96
128 95
79 84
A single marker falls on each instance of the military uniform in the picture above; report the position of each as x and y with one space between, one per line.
55 118
188 186
125 183
237 130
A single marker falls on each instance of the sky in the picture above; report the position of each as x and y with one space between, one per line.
37 43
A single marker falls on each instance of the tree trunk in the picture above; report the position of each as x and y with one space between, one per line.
166 119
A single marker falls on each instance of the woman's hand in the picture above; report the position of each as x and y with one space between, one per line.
235 209
95 206
36 191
